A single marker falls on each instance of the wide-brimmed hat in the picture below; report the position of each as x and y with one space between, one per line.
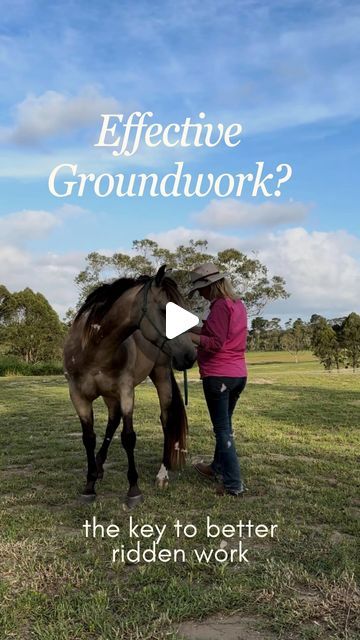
203 275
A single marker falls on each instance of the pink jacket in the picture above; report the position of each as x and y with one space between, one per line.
223 340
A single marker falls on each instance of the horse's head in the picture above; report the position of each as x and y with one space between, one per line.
156 294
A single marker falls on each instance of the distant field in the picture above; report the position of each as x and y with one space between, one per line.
279 361
280 357
297 433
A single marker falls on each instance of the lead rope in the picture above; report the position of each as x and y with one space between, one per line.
186 402
186 388
186 399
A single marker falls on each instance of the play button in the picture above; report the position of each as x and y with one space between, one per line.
178 320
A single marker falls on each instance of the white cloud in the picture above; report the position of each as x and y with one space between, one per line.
67 211
181 235
26 225
50 274
275 64
321 269
22 226
52 113
234 213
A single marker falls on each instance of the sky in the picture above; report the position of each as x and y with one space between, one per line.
288 72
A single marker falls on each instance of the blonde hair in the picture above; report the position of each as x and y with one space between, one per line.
223 289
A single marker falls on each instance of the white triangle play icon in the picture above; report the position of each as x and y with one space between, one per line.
178 320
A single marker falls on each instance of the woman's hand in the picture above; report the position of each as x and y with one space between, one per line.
195 337
196 330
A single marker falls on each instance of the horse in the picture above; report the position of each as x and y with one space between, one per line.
117 339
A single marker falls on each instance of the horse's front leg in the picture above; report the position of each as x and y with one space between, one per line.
162 381
84 410
113 423
128 441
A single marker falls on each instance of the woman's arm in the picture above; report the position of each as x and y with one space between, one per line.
217 327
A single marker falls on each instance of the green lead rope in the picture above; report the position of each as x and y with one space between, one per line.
186 388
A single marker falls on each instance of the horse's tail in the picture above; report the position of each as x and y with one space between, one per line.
177 425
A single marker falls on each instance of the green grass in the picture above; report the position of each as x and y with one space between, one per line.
297 437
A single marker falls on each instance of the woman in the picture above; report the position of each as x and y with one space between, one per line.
221 356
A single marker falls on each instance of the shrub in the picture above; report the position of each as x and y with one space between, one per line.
12 366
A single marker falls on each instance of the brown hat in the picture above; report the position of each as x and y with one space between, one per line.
203 275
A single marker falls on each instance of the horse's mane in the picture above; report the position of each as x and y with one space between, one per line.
99 302
170 287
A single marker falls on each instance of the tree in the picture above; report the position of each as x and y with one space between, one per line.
257 333
274 334
258 326
296 337
5 297
249 277
31 328
351 339
324 343
339 355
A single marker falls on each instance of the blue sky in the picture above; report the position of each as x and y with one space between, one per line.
287 71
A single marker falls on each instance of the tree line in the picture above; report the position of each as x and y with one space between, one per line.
31 330
335 342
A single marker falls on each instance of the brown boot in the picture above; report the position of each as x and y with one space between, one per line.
205 470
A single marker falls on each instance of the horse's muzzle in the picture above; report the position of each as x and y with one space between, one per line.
184 363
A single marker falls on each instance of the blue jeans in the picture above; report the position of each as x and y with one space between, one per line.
222 394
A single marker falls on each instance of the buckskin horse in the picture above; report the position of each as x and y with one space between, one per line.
116 340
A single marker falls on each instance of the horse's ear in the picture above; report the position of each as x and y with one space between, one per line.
160 275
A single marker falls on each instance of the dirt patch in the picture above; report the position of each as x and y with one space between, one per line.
354 512
283 456
63 506
332 482
68 531
231 628
261 381
318 528
337 537
280 488
274 457
355 502
308 598
198 458
17 470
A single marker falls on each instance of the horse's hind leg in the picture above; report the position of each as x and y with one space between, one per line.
84 410
113 423
161 379
128 441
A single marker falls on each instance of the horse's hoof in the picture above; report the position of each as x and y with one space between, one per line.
132 501
88 497
162 483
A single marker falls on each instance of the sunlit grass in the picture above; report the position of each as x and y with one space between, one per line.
297 437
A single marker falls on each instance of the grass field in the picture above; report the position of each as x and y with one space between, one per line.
297 437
